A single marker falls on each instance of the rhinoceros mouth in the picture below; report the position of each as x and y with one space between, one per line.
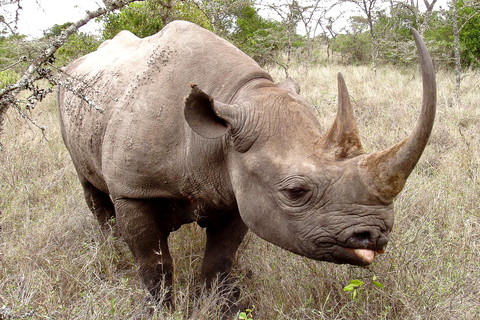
362 257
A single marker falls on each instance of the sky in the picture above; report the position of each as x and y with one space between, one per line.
39 15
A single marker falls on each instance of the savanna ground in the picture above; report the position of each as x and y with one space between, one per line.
56 264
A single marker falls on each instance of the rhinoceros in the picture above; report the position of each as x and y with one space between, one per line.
183 127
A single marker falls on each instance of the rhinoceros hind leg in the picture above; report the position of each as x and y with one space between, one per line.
99 203
224 236
141 226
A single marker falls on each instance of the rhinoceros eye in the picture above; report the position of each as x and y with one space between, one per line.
297 196
296 193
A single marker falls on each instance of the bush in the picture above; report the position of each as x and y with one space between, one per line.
79 44
262 39
146 18
354 48
7 78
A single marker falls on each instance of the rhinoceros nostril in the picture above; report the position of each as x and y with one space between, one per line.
368 239
364 237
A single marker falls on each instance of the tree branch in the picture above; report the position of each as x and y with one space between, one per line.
467 20
8 95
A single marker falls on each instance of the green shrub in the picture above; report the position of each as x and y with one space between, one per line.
7 78
79 44
354 48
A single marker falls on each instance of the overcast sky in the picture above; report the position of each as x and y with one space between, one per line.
39 15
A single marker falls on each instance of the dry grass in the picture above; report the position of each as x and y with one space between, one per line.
55 263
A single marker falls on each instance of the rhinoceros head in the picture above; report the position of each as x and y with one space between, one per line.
318 195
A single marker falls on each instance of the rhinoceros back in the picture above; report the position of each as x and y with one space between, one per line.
139 86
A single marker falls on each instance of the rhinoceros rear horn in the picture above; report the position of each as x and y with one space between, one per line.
387 171
342 141
207 117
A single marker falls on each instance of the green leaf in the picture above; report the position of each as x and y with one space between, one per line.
378 284
356 282
242 316
353 284
354 294
349 288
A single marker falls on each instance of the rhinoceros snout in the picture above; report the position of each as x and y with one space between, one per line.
368 239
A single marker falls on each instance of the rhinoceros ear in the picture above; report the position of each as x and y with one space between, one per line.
207 118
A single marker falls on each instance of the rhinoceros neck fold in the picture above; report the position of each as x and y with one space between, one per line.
246 82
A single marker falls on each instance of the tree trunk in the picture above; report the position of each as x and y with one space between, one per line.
374 44
427 16
456 49
374 56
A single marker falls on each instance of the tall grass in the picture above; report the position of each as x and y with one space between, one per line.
56 264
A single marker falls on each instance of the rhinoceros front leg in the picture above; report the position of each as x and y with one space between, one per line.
142 228
224 236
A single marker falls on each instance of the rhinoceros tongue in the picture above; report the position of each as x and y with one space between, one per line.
366 255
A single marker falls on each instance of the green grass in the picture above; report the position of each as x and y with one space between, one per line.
56 264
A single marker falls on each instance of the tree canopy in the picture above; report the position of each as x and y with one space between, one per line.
237 21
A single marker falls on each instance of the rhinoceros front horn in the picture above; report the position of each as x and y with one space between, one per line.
387 171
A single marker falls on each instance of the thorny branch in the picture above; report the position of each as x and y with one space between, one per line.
2 20
37 69
71 84
22 59
471 16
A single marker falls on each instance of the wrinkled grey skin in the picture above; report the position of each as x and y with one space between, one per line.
239 153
